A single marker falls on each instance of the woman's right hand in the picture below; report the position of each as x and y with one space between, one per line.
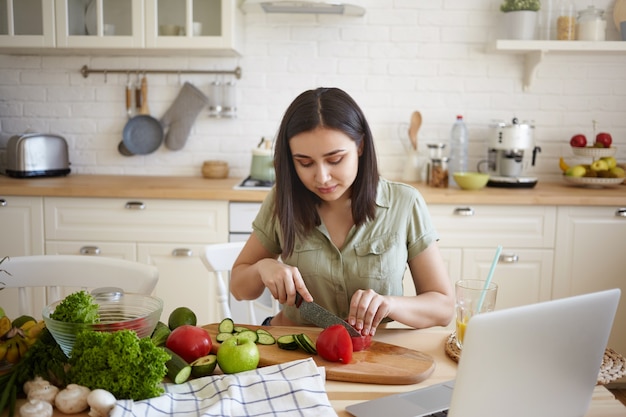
283 281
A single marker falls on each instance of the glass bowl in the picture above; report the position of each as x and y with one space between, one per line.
137 312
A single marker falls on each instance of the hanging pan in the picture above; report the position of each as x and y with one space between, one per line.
143 134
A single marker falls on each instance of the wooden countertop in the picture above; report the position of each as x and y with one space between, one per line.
198 188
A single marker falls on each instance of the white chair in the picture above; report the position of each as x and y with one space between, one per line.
219 259
41 279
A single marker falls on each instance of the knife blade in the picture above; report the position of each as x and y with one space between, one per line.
321 317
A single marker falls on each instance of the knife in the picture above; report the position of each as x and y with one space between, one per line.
321 317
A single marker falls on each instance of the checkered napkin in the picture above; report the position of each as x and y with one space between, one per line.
290 389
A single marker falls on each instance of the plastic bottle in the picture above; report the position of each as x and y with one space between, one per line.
459 139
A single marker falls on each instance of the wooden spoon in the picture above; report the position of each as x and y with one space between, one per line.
416 123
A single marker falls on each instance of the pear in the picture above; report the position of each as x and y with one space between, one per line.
610 161
576 171
618 172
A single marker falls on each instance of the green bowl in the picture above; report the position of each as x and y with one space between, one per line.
471 180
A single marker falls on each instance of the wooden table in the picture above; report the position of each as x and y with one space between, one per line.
432 342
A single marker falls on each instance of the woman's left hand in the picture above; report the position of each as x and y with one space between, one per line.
367 310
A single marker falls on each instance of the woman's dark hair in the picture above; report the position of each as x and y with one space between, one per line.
295 205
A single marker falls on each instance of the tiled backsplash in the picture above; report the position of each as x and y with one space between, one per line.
403 55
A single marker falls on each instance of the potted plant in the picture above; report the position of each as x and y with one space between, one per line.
519 19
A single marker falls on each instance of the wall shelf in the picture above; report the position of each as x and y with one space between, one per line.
535 51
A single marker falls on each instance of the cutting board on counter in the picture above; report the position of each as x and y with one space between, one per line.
382 363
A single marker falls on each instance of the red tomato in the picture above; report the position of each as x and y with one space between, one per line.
578 141
334 344
189 342
361 343
605 139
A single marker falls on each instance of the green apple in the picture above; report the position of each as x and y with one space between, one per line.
600 165
610 161
576 171
237 354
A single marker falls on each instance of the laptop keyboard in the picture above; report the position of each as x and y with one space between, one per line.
443 413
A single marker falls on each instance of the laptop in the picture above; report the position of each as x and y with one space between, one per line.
536 360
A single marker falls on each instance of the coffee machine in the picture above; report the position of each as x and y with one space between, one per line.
511 152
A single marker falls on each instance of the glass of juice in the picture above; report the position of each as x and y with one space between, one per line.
468 295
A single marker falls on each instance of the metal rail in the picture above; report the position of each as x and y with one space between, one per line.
85 70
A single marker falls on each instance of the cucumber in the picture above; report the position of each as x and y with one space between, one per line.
305 343
249 335
287 342
160 334
239 329
178 370
204 366
264 338
226 326
221 337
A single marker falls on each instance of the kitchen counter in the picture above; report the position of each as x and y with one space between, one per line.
432 342
198 188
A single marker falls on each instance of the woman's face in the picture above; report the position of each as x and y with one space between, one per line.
326 161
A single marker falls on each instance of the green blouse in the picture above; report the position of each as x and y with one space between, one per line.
374 255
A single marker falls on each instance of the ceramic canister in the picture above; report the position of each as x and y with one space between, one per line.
262 167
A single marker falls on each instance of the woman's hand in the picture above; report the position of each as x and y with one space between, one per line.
367 310
283 281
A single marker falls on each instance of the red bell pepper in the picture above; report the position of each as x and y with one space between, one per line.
335 344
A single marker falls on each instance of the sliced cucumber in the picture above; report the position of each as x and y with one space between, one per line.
306 343
221 337
226 326
265 338
178 370
249 335
239 329
204 366
287 342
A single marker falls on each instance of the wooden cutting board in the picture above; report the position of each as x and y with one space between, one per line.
382 363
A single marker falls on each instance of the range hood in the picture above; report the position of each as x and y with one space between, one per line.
303 6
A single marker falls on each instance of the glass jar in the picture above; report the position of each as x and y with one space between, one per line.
566 21
590 25
438 172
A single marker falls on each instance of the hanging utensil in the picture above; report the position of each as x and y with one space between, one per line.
414 127
143 134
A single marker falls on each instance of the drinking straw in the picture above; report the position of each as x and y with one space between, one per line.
489 277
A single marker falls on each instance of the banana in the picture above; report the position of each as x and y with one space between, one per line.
22 346
5 325
563 165
3 349
13 352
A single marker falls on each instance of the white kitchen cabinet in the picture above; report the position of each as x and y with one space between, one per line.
166 233
526 233
27 23
590 257
21 231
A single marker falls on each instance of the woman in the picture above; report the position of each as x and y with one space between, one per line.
343 234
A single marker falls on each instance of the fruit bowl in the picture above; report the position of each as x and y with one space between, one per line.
471 180
128 311
594 152
594 182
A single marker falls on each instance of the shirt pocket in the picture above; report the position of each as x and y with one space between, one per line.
307 257
378 258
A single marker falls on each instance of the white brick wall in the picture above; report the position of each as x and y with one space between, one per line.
403 55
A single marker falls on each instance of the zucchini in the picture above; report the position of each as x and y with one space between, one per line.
305 343
221 337
264 338
178 370
226 326
160 334
287 342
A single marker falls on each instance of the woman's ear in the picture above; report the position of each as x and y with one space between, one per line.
360 149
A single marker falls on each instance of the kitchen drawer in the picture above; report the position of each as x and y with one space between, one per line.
133 220
483 226
120 250
241 216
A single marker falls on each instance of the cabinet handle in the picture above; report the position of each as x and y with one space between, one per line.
463 211
135 205
3 202
90 250
620 212
182 252
508 258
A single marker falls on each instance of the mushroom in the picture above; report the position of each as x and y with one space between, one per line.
40 389
36 408
101 402
72 399
38 382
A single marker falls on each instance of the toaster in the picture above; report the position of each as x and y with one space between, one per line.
36 155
